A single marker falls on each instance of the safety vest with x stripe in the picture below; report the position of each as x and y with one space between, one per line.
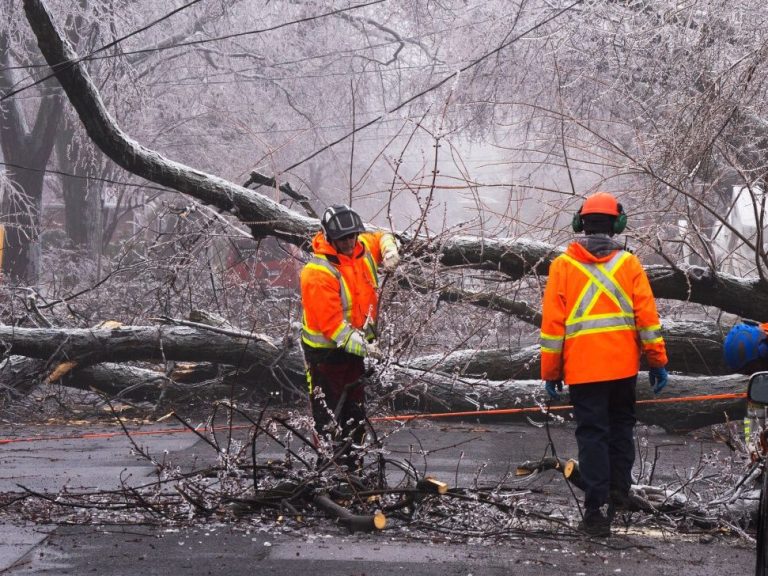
598 314
339 292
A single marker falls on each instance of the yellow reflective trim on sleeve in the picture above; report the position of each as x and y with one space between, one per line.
551 350
602 329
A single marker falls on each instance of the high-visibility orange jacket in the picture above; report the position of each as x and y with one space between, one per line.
338 292
598 315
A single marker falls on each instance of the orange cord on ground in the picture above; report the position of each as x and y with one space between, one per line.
401 418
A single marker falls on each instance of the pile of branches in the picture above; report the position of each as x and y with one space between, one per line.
321 485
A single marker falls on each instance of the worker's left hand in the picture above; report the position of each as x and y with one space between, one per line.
390 255
658 377
390 259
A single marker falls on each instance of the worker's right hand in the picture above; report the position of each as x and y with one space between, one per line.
355 344
553 387
373 351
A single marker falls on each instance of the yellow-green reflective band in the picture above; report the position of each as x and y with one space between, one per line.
600 281
320 263
372 268
551 350
387 240
341 336
317 341
620 322
648 335
309 381
551 343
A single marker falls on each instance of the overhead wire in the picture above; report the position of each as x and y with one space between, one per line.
335 52
85 177
365 125
69 64
438 84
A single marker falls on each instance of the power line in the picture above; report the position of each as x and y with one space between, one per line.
69 64
84 177
255 31
435 86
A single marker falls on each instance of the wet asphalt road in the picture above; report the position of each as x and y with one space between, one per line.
454 452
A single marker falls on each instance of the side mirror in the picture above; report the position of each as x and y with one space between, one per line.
758 388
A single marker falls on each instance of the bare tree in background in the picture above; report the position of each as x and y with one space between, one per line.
394 111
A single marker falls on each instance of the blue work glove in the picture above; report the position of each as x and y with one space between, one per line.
553 387
658 377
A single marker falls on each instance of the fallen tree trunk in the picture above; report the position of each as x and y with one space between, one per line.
692 348
88 346
265 367
685 405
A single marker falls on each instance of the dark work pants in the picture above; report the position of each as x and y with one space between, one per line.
328 380
605 422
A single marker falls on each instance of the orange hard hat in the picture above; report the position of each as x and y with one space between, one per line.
601 203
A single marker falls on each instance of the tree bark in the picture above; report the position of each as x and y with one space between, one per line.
93 345
26 147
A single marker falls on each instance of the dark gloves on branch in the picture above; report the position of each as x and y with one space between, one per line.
553 387
658 377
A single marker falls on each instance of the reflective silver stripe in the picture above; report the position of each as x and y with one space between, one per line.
601 280
314 338
317 341
373 268
599 325
648 336
551 343
343 334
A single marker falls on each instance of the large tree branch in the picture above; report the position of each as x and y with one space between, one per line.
515 258
94 345
428 388
264 216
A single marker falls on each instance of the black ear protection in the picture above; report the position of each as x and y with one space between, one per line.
619 222
577 223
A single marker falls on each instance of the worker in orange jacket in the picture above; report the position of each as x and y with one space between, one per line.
598 316
340 306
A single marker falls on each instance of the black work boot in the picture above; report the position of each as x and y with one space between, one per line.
596 522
